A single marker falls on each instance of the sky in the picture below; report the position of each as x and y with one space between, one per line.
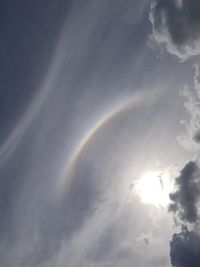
100 118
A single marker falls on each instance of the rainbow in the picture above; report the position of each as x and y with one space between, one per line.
126 105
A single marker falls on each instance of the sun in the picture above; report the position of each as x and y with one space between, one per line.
154 188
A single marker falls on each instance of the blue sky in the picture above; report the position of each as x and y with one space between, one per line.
95 94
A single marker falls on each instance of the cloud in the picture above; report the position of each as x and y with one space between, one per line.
176 24
185 249
185 198
191 140
195 106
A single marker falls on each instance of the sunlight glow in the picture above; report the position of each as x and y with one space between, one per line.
154 188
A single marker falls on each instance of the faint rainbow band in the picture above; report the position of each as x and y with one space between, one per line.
132 102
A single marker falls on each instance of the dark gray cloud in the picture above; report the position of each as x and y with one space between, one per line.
176 23
185 198
185 249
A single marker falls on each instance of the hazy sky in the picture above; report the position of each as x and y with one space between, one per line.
93 95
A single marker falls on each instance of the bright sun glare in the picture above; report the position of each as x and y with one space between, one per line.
154 188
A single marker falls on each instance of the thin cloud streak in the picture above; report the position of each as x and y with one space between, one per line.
9 145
